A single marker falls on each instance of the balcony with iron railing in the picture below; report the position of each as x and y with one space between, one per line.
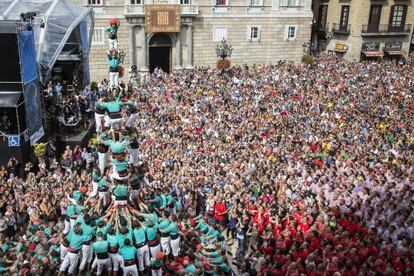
386 30
139 10
341 29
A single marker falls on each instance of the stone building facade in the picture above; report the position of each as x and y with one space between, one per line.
363 29
260 31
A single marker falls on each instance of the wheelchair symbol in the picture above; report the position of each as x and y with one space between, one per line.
14 141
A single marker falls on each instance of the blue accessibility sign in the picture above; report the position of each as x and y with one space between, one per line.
14 141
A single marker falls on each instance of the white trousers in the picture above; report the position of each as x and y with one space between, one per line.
86 256
101 263
98 122
67 227
94 189
72 222
103 161
113 44
157 272
130 270
131 120
113 79
63 252
104 197
115 261
165 245
154 250
71 262
175 246
133 157
115 123
106 121
143 257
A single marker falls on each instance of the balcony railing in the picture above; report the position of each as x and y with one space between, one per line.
134 9
340 29
138 9
385 29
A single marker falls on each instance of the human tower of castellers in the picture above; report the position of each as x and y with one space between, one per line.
119 231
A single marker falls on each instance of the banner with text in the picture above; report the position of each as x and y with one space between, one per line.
162 18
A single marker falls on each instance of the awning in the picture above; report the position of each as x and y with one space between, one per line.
9 99
373 53
395 53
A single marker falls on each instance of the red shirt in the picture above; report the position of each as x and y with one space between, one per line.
314 147
220 209
267 250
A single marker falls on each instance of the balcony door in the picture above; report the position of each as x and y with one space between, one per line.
343 24
397 18
322 16
374 18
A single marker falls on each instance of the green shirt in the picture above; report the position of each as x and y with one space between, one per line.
152 217
172 229
190 269
151 232
127 253
112 239
120 165
113 106
112 30
139 235
88 231
76 241
100 246
163 223
73 210
202 226
121 191
117 147
113 62
224 267
121 238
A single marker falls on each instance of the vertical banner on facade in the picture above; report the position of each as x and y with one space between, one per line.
162 18
27 54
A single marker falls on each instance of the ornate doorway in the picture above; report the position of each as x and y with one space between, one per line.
160 47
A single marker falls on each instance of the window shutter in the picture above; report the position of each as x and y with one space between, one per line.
404 16
391 15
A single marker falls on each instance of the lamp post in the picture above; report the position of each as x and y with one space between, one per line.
223 50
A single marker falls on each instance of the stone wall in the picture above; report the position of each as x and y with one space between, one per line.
359 16
271 17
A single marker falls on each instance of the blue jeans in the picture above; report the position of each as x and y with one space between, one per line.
240 248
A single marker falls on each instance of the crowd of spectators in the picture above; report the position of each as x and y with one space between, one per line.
285 169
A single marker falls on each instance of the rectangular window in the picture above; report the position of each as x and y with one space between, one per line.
292 3
291 32
322 16
256 3
98 37
397 16
374 18
343 24
254 33
185 2
136 2
221 2
219 33
95 2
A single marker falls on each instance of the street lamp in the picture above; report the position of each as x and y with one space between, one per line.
223 50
